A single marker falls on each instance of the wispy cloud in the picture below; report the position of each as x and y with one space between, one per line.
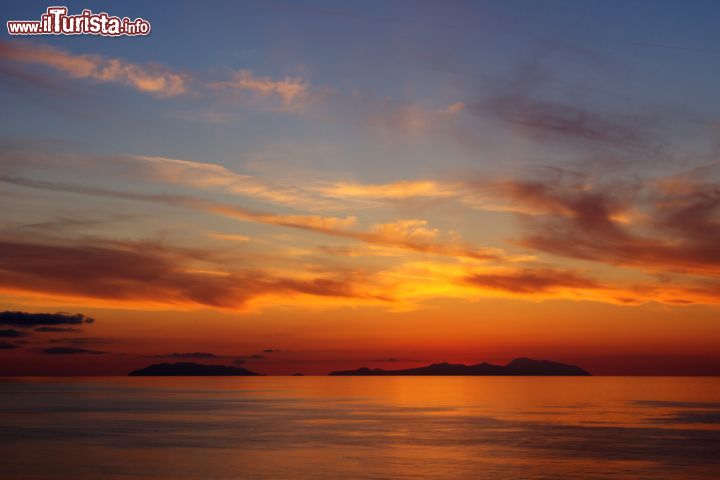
566 121
663 225
288 94
151 78
194 355
71 351
531 281
132 275
219 178
394 190
291 91
403 234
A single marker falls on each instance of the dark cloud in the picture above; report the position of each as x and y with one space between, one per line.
7 346
188 355
82 341
67 223
702 417
242 359
12 333
550 118
56 329
677 404
670 225
139 272
64 224
535 280
71 351
395 359
536 103
27 320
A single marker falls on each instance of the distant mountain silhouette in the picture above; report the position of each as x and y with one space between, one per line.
519 366
190 369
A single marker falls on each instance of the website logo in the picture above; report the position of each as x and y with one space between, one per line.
56 21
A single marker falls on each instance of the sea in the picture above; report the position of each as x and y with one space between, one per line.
343 428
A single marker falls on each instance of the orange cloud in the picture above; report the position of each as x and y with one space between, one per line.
406 231
290 90
455 107
539 280
410 235
213 176
151 78
230 237
423 280
142 275
394 190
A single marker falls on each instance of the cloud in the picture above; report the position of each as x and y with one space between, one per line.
402 234
289 94
197 355
238 360
230 237
666 225
395 235
56 329
135 274
71 351
216 177
415 235
290 91
560 120
455 107
82 341
152 78
413 119
393 190
7 346
315 223
12 333
530 281
663 225
411 230
243 359
412 282
255 356
69 223
27 320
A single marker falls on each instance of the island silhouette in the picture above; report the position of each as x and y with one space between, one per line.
519 366
189 369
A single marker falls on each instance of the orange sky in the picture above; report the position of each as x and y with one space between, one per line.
275 209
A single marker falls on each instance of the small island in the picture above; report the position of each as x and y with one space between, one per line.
518 367
187 369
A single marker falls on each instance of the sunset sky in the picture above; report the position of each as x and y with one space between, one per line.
315 186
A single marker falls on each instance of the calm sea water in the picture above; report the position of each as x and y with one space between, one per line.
360 428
